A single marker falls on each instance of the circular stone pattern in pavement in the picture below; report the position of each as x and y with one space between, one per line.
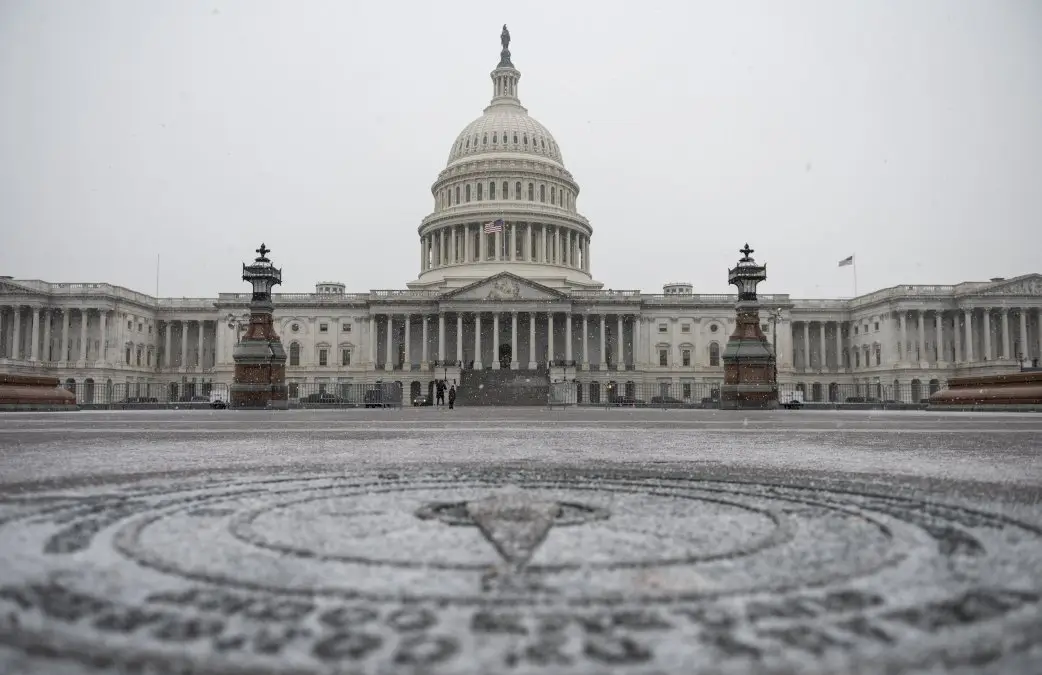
531 572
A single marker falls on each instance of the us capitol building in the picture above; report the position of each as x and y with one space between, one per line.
505 282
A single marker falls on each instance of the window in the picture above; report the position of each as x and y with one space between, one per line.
323 328
130 326
345 357
517 189
323 357
457 194
295 327
484 139
148 359
542 194
480 186
685 357
685 328
491 190
662 328
855 330
495 138
149 329
857 358
714 328
879 355
663 357
515 139
126 358
139 328
553 195
294 354
506 190
686 389
294 390
345 328
466 193
714 355
524 140
531 192
139 356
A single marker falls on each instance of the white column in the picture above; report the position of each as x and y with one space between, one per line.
604 342
513 341
406 340
511 247
822 358
372 339
441 337
638 328
957 335
1006 351
557 245
922 334
184 345
103 353
586 254
477 340
902 317
454 237
806 345
423 253
568 336
987 335
839 344
46 335
65 333
586 342
619 346
542 243
459 338
549 336
495 340
1024 351
168 355
499 256
83 335
527 247
423 339
16 331
939 337
466 242
389 360
968 315
34 348
199 346
531 341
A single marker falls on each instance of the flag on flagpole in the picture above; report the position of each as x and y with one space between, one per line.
494 226
846 261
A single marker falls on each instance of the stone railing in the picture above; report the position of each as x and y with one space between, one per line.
185 303
900 292
659 299
484 211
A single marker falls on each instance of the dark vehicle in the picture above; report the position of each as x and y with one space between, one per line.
322 398
422 401
140 399
629 401
668 402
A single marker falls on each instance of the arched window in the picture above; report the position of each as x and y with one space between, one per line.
714 354
457 194
542 194
517 190
484 139
294 354
448 197
138 360
553 195
515 138
491 190
506 190
126 359
531 192
542 143
480 186
466 192
468 144
524 140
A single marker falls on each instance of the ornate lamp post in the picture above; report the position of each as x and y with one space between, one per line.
260 360
750 367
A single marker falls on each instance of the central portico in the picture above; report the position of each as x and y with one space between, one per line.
506 322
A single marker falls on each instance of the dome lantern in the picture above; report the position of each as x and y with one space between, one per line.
505 77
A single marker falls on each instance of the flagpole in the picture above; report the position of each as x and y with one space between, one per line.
157 275
854 265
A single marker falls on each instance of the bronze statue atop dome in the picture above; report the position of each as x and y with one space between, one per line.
504 56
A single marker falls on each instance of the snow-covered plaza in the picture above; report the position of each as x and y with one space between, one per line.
520 541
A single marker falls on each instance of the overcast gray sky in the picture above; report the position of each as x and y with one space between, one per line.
906 133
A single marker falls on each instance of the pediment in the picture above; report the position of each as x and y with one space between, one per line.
11 287
1030 284
504 287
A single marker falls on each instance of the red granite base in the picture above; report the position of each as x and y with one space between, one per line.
999 390
34 392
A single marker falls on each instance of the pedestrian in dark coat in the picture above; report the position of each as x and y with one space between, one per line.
452 397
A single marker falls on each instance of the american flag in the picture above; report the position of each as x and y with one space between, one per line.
494 226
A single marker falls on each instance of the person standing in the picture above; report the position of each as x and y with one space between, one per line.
440 386
452 397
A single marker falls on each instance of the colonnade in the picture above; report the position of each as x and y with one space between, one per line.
513 241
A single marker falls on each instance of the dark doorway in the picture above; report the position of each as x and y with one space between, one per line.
505 353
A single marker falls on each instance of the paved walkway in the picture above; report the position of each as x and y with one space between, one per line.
520 541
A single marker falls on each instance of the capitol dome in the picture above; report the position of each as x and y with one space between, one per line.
505 202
